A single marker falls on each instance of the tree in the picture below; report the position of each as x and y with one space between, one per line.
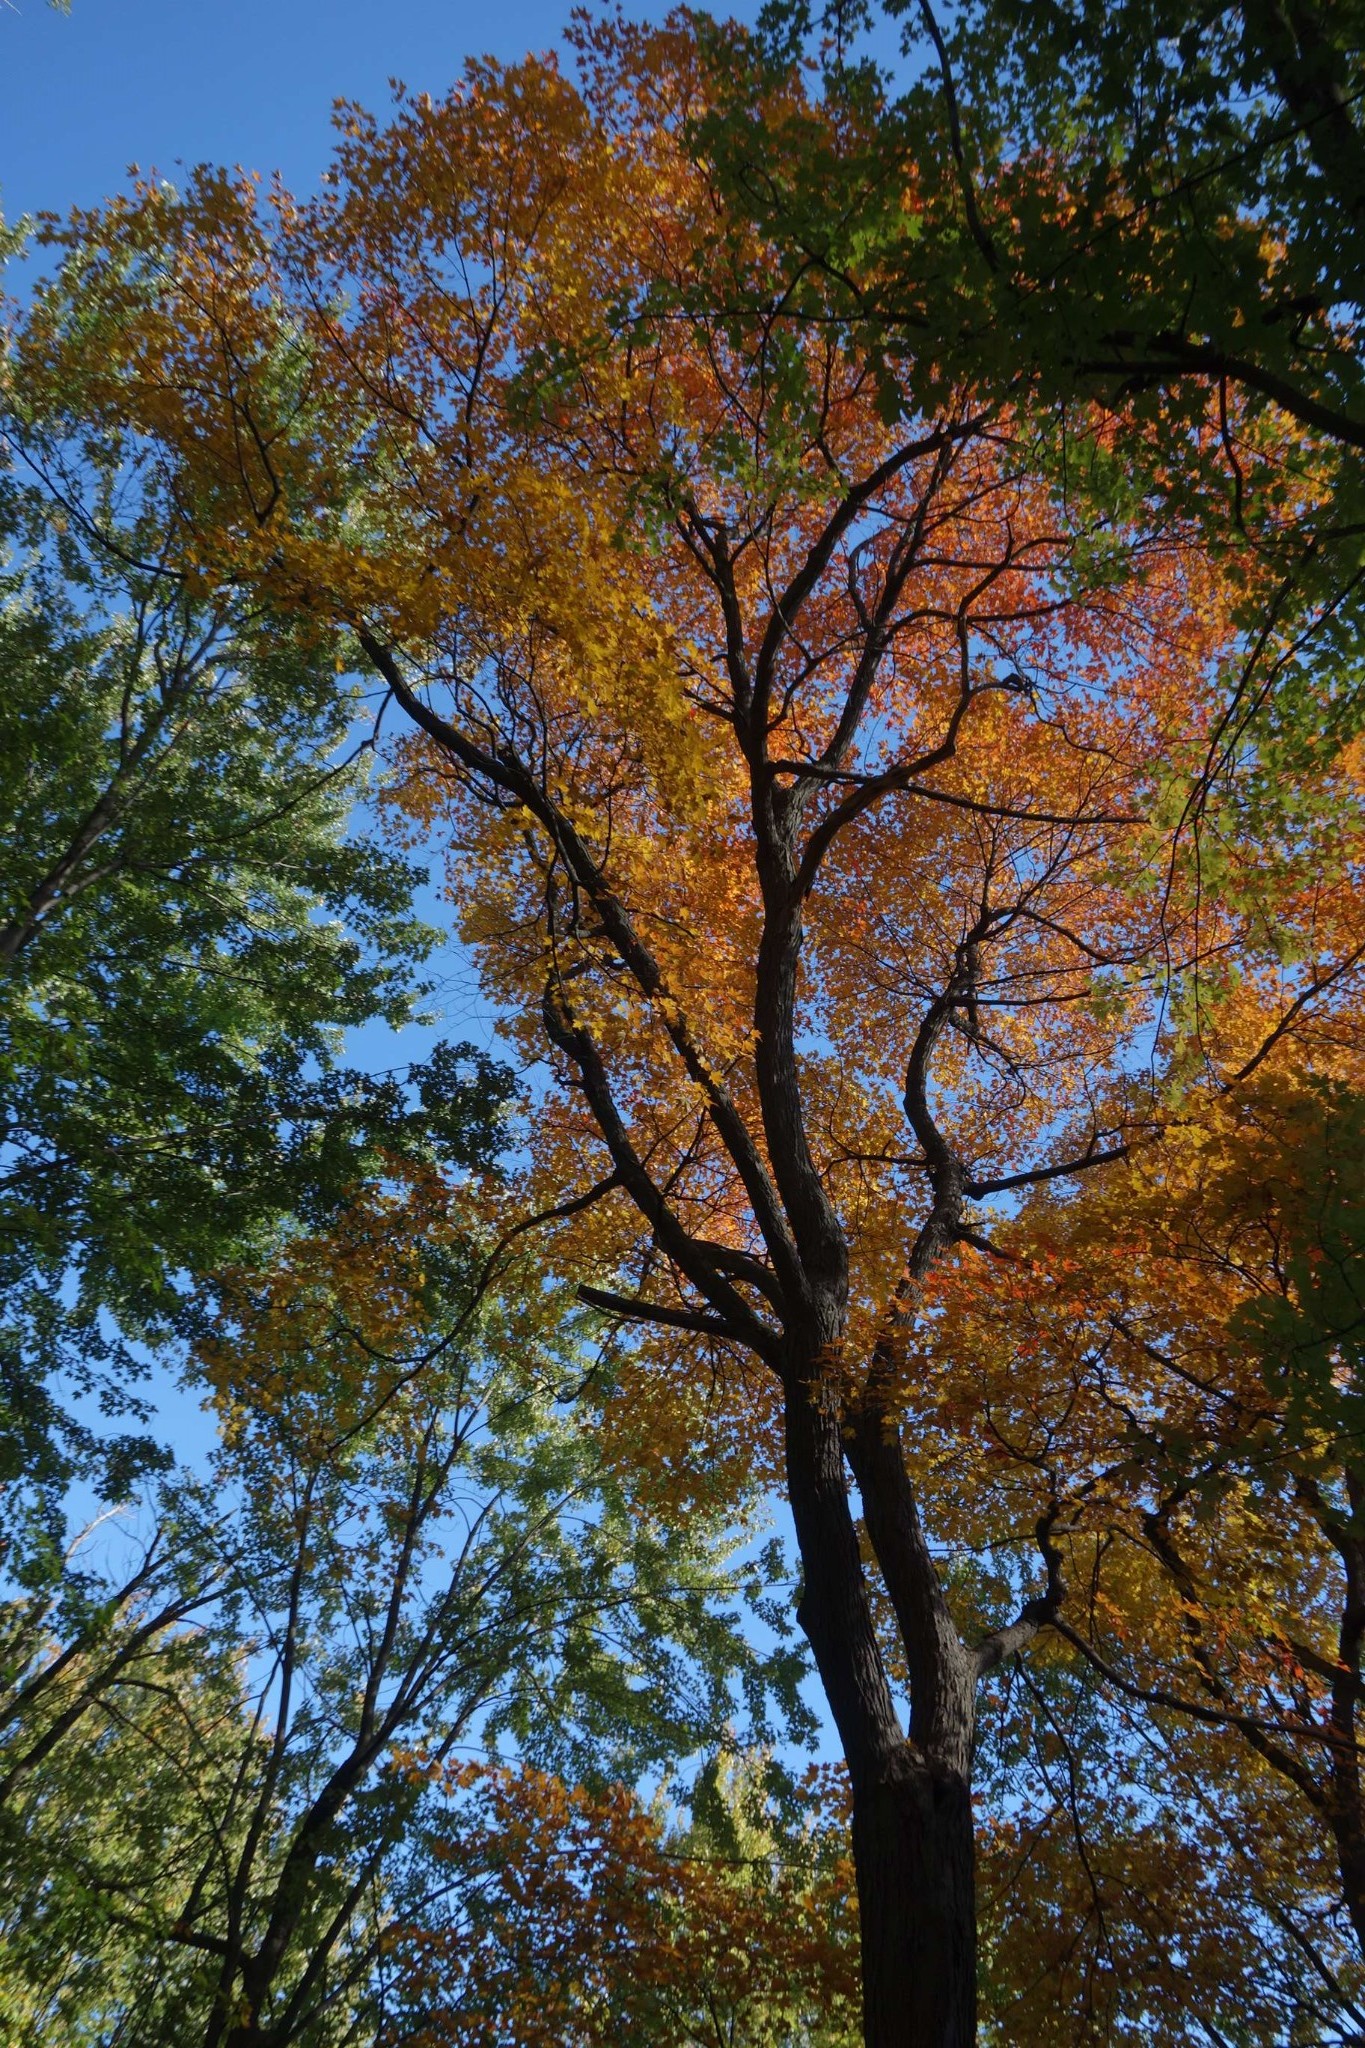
816 774
189 921
581 1918
209 1818
1188 1434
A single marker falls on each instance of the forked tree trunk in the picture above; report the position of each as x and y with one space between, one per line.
912 1812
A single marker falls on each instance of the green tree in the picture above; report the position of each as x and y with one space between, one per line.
215 1775
1197 179
189 920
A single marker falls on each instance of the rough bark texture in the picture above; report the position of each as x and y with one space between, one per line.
913 1849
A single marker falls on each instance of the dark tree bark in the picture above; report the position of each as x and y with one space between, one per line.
914 1853
913 1843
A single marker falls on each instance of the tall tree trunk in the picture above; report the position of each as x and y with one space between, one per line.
912 1815
914 1854
1343 1800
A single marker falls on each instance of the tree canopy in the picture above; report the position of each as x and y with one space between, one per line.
900 782
221 1762
189 925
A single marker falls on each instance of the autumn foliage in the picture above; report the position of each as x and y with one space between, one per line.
585 1918
850 813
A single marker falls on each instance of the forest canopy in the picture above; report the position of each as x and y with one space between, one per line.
835 582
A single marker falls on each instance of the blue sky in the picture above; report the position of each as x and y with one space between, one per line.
115 82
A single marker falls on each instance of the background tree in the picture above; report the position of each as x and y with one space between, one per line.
404 1546
582 1918
190 920
1188 1435
1213 164
1141 1883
